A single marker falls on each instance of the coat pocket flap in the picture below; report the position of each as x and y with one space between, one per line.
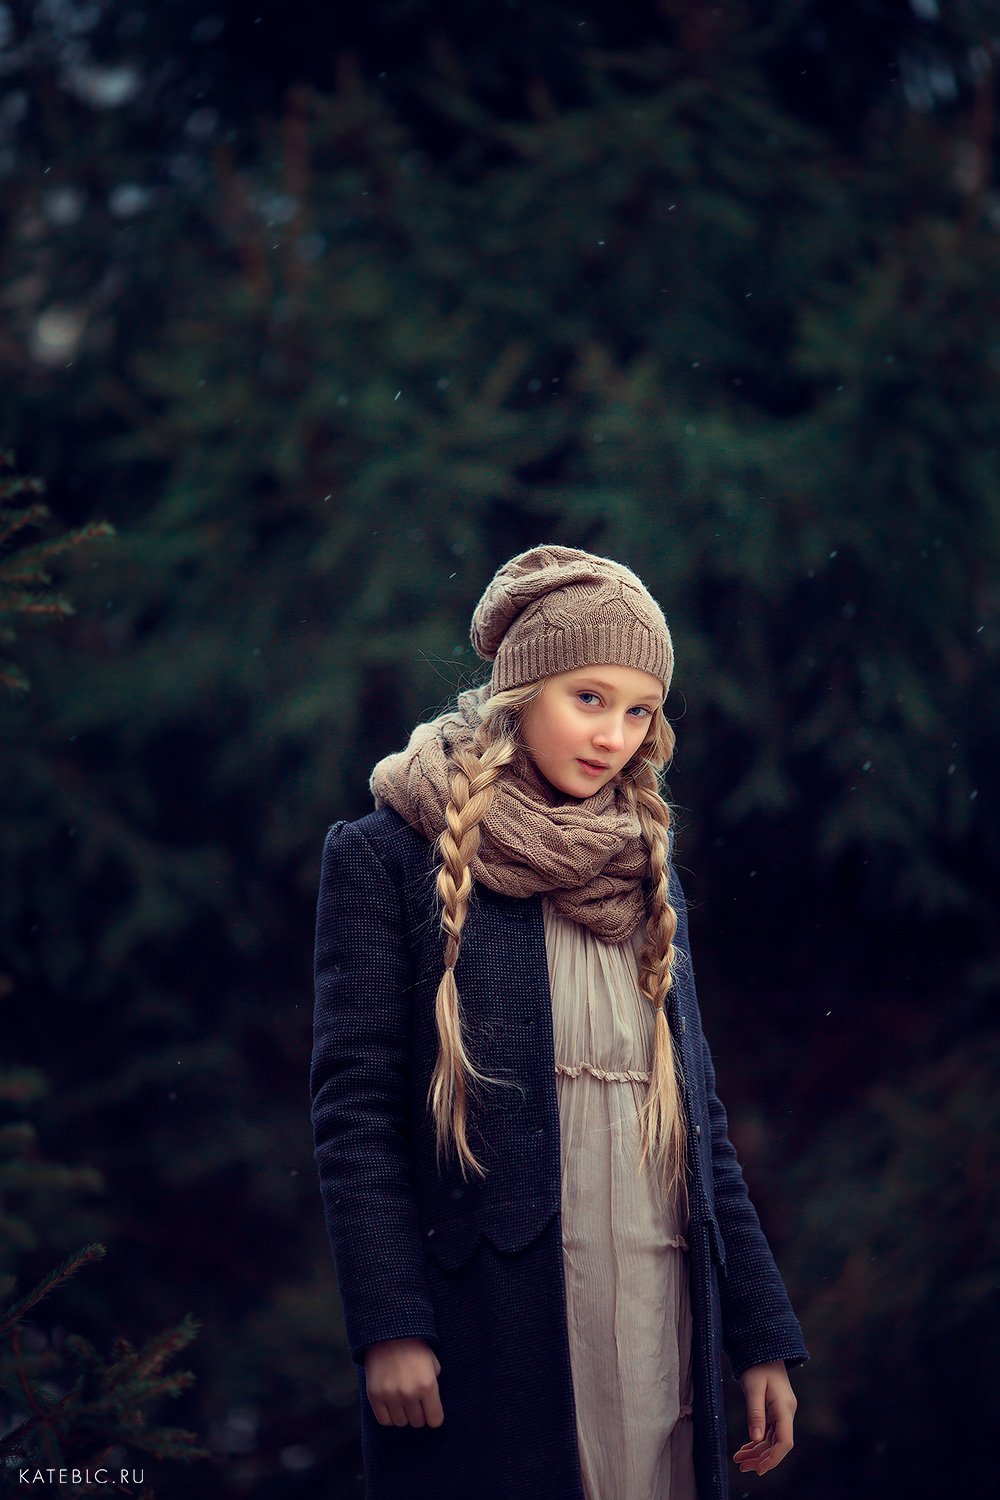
508 1227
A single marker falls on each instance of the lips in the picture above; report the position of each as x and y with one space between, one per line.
595 765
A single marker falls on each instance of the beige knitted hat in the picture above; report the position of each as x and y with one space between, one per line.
554 608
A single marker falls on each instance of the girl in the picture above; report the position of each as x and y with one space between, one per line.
542 1236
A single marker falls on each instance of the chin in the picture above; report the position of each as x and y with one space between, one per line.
569 787
589 785
577 784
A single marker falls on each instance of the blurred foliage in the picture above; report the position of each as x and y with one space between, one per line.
897 1271
35 1190
24 582
63 1404
331 314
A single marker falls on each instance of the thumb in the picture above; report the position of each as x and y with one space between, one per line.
754 1393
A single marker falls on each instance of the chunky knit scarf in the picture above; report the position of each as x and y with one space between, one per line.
587 854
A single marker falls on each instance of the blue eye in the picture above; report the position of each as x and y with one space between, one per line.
586 693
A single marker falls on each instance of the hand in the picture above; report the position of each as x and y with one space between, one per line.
771 1407
401 1381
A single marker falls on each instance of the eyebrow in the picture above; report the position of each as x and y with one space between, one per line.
608 688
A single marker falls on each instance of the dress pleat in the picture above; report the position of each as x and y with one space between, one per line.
624 1250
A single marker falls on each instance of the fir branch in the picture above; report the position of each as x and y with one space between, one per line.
156 1352
27 604
105 1401
24 579
13 520
69 1267
67 540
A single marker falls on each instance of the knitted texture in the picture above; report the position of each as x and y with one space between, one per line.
475 1268
552 609
588 852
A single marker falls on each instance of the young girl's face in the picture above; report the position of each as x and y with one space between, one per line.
592 714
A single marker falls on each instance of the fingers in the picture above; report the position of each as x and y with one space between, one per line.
771 1405
762 1456
390 1413
756 1449
416 1407
413 1413
751 1456
433 1410
769 1460
401 1382
782 1443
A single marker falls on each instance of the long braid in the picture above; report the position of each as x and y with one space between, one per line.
473 784
662 1118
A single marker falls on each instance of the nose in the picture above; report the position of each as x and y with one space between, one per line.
610 737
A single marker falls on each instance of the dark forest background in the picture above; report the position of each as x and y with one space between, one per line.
324 312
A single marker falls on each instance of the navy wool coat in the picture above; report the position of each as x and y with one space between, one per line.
475 1268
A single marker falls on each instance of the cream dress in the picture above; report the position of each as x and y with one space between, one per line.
624 1251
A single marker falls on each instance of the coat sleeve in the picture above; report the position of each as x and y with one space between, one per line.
758 1323
359 1091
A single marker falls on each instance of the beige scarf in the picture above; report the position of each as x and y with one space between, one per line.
587 854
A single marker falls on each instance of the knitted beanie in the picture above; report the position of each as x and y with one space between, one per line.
554 608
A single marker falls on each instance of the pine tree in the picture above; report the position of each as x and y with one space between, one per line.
64 1404
334 312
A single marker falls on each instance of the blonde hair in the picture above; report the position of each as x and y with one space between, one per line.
474 775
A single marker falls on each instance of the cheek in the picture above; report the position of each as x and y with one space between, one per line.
548 731
636 738
576 729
